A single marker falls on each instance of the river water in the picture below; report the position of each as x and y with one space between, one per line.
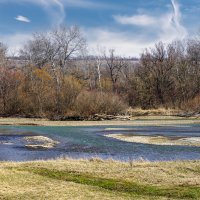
88 142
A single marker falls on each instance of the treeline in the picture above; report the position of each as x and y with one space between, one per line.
53 82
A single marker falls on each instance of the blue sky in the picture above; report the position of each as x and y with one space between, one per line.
129 26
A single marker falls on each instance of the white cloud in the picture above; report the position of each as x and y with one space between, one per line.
171 25
22 19
56 8
15 41
167 28
124 43
139 20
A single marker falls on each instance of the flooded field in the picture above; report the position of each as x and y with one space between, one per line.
24 143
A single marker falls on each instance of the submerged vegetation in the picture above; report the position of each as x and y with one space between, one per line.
97 179
53 76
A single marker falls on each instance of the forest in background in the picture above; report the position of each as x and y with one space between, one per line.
58 78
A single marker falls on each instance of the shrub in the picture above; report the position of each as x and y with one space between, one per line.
90 103
192 105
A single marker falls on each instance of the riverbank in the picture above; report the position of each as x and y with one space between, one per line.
135 121
98 179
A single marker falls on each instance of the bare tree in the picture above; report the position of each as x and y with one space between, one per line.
55 49
155 73
193 56
98 67
8 83
3 51
114 65
99 61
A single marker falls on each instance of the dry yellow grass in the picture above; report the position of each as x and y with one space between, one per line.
153 112
46 180
35 142
157 140
143 121
24 185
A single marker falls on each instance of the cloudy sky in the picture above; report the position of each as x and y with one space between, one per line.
129 26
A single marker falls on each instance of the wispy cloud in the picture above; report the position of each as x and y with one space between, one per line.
22 19
168 26
54 8
165 27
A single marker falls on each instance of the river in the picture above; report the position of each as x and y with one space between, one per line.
88 142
